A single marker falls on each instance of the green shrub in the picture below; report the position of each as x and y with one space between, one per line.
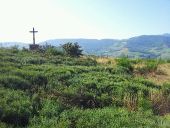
12 59
14 82
147 83
86 62
33 60
149 67
48 115
15 106
145 105
126 63
54 51
51 108
14 49
120 70
36 104
107 118
35 78
166 88
152 66
72 49
168 61
4 125
44 122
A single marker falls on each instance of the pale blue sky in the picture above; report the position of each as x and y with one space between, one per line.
116 19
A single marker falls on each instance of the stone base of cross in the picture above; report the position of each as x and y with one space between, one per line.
34 46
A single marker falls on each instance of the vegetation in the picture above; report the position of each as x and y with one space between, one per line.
72 49
48 88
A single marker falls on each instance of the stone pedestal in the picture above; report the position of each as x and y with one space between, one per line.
34 46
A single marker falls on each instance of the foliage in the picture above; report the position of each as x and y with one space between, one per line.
150 66
54 51
48 115
106 117
166 88
15 107
72 49
14 82
49 89
126 63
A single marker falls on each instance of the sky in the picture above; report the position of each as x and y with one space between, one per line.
93 19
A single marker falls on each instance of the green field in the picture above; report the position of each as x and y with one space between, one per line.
47 89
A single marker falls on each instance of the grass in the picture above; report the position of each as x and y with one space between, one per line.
162 75
64 91
106 61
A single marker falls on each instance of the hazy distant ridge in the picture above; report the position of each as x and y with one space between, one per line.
140 46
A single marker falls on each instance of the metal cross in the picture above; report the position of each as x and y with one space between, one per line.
33 31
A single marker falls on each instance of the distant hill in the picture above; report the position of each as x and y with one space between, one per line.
11 44
149 46
145 46
90 46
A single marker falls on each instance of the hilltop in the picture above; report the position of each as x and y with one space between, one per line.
43 89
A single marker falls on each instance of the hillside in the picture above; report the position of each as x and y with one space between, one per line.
40 89
149 46
13 44
146 46
90 46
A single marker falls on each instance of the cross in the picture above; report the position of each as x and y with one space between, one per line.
33 31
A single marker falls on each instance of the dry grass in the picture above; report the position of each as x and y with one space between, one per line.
162 75
106 61
160 104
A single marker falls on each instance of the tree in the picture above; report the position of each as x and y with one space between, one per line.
72 49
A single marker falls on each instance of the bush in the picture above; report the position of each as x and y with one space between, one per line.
54 51
166 89
86 62
105 118
51 108
35 78
4 125
126 63
150 66
36 104
15 106
48 115
14 82
44 122
14 49
72 49
33 60
168 61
